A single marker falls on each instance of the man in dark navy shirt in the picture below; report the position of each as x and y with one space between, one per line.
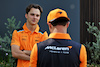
58 50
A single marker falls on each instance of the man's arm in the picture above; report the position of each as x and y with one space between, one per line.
27 52
17 53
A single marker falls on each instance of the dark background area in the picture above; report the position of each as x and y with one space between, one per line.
16 8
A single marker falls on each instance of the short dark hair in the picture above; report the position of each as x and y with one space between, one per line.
34 6
60 21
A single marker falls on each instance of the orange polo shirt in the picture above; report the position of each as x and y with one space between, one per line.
26 40
82 56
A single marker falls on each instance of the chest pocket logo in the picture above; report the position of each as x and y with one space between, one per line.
37 39
24 38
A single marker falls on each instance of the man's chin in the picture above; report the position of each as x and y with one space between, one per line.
33 23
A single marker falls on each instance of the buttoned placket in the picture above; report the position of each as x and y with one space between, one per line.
30 39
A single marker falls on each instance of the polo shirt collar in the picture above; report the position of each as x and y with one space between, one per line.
27 30
60 36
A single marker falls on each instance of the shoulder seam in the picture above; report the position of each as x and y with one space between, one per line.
20 29
40 31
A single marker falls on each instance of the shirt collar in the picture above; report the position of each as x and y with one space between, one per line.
60 36
27 30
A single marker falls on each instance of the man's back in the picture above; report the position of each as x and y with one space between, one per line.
58 53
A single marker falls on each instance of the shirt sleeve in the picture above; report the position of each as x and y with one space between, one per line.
33 57
44 37
15 38
83 57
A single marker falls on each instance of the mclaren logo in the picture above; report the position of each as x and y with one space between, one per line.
56 49
60 12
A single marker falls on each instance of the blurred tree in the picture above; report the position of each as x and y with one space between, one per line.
6 59
94 49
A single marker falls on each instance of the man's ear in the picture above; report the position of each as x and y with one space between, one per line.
49 24
68 24
26 15
50 27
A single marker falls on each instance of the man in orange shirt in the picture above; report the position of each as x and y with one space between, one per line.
59 50
23 39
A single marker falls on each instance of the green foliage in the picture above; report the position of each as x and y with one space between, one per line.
93 65
6 60
94 49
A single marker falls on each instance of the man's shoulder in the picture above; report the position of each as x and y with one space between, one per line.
44 43
20 29
41 31
75 42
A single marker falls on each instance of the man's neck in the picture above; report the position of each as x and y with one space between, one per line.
31 27
60 29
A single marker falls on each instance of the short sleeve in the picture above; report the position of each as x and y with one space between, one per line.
15 38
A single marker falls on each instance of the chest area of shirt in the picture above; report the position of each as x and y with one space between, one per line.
28 37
